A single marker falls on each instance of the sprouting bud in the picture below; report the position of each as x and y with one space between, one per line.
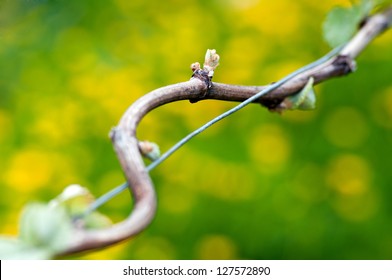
150 150
211 61
195 66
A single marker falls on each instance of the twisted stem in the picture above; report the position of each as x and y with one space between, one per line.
126 144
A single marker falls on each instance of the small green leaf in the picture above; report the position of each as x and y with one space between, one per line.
13 249
45 226
366 6
341 24
304 100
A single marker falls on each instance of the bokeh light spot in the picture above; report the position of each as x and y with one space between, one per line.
348 175
240 4
113 252
241 53
10 222
216 247
270 148
346 127
29 170
356 208
155 248
58 125
264 16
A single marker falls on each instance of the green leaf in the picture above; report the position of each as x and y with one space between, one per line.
13 249
45 226
366 6
304 100
342 23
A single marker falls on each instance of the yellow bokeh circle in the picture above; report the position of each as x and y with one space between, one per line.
270 148
350 178
216 247
29 170
349 174
346 127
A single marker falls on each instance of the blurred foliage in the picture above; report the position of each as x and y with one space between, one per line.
341 23
302 185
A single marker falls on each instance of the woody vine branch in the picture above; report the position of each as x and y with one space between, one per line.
200 87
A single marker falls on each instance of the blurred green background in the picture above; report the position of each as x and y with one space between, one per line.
258 185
